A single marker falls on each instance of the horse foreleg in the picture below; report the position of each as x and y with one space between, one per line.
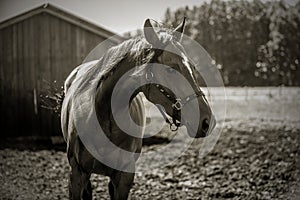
120 185
88 191
79 183
111 189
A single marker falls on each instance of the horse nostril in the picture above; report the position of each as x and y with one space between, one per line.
205 125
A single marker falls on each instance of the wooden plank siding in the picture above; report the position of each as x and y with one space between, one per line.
42 47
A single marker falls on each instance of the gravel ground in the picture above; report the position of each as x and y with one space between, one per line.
256 157
254 160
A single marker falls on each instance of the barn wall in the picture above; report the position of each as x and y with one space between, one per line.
40 49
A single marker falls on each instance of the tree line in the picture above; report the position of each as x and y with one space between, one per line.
254 43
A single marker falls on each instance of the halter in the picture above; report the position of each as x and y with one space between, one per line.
178 103
177 106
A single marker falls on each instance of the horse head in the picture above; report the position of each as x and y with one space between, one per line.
180 91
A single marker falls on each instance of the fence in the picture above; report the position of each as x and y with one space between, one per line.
254 93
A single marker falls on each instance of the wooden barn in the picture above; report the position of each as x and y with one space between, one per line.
39 46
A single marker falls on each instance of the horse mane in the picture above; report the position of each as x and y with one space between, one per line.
136 50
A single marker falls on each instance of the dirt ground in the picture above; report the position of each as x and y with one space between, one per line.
256 157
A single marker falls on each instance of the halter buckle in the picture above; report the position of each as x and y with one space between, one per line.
149 76
173 127
178 104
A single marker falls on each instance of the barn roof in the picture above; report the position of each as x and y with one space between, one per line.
62 14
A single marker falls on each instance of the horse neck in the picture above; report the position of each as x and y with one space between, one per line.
106 88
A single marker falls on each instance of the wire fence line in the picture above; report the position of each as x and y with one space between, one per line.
272 103
253 93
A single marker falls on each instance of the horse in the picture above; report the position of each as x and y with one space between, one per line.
102 75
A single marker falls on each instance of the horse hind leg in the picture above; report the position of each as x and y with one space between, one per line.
79 184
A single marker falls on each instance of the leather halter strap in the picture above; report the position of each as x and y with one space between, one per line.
178 103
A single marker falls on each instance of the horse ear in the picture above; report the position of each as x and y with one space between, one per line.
178 32
150 34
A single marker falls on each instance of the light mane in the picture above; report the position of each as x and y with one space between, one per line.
136 50
132 49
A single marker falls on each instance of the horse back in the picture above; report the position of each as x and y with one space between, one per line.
67 123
